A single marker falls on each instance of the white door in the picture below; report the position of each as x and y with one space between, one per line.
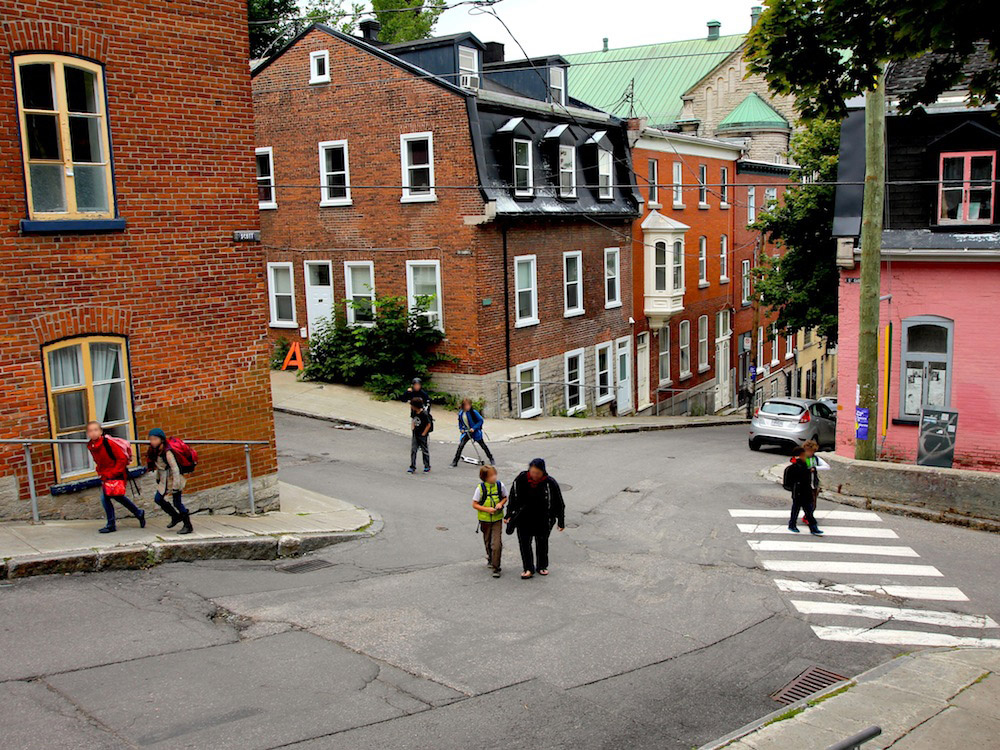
319 292
623 365
642 369
723 386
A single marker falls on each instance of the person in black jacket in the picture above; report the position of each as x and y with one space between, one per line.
535 506
416 390
800 480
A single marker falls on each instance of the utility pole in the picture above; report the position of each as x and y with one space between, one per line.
871 267
755 301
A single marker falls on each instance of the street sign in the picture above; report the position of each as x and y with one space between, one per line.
861 422
246 235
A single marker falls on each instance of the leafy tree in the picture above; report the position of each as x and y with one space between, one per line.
826 51
401 26
383 357
801 286
286 19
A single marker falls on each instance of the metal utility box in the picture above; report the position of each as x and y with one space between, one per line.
936 443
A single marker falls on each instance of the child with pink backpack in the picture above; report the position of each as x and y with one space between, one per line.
112 455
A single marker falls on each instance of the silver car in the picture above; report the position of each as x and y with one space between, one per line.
790 422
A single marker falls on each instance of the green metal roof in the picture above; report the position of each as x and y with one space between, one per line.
753 112
662 73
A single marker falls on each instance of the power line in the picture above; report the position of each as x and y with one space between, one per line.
320 17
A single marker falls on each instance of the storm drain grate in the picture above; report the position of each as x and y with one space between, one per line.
305 566
811 681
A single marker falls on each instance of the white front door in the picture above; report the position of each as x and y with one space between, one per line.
623 376
642 370
723 384
319 292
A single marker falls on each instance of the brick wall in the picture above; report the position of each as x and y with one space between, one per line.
960 292
187 298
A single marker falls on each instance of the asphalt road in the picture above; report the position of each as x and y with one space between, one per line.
658 627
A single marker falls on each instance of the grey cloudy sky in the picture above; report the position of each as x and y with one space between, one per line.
563 26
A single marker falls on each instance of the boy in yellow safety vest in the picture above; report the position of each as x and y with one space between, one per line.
489 500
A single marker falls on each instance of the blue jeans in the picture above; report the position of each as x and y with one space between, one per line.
178 505
109 509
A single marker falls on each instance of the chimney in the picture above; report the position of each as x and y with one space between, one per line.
493 53
605 44
369 29
713 30
755 12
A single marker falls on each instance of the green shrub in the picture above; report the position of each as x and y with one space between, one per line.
280 351
384 357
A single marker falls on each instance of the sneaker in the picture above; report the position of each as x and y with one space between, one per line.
426 469
142 518
411 470
815 532
107 529
454 464
794 528
496 573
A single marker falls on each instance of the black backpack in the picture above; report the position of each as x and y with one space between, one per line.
788 480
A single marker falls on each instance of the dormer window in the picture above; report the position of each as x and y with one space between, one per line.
567 172
319 66
468 67
557 85
605 188
522 168
966 187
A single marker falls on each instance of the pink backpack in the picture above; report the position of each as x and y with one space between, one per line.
122 447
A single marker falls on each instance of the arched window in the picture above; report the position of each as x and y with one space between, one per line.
86 379
925 364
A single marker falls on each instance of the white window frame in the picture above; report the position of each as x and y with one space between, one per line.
532 320
324 187
530 189
702 261
320 54
269 152
723 325
572 312
571 191
760 349
465 70
724 188
605 170
751 204
272 296
665 266
438 298
409 196
677 266
604 398
557 73
580 384
745 288
653 178
789 346
770 197
702 186
535 388
350 292
663 352
678 185
775 359
684 348
703 364
616 301
724 259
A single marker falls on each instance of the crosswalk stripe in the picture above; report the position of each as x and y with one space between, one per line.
926 616
877 532
851 568
837 515
931 593
890 637
760 545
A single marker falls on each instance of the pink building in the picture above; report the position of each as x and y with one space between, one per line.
940 277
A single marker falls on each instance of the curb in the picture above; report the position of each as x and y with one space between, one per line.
140 556
313 415
896 509
623 429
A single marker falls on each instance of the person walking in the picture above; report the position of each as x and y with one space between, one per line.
489 500
169 478
421 425
112 459
535 506
416 390
470 425
798 479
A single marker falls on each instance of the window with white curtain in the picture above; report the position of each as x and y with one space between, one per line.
612 280
702 343
281 295
359 287
525 291
684 346
664 354
724 258
423 282
573 283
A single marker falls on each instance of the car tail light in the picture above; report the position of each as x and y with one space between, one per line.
756 412
804 418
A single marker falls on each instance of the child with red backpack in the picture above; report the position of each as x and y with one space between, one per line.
171 458
112 455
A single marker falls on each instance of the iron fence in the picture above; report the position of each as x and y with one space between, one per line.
26 443
546 399
681 400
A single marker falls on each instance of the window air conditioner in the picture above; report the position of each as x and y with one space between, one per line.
469 81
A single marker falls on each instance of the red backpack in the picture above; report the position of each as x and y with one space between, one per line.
119 446
185 455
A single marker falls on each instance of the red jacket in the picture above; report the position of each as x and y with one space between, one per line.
108 467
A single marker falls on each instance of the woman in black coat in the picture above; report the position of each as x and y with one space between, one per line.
535 506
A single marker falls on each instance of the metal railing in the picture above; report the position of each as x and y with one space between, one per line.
683 397
856 741
28 442
608 396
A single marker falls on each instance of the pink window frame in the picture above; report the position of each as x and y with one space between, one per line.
966 157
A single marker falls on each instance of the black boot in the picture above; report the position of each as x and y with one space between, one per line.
175 517
187 528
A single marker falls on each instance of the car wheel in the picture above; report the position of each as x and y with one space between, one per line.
754 445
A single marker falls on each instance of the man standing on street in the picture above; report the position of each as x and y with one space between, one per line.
416 390
421 423
535 506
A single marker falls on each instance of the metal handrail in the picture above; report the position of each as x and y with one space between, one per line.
28 442
856 741
675 392
563 383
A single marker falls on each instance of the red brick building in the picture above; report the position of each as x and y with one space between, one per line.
125 168
436 168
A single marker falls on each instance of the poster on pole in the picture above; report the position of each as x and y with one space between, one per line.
861 422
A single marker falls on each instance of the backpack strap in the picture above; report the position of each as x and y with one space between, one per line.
107 447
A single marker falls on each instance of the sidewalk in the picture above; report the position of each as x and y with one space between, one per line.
353 406
931 700
306 521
